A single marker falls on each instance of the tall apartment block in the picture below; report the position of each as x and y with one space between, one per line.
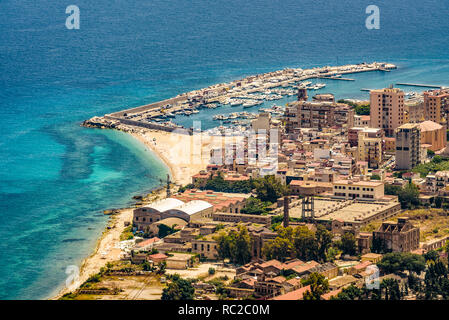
408 146
387 109
436 105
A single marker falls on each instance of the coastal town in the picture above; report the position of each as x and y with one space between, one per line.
320 199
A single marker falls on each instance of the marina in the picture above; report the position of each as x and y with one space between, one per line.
247 93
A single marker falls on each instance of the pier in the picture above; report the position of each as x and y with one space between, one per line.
419 85
337 78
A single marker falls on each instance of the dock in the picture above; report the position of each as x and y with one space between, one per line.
419 85
337 78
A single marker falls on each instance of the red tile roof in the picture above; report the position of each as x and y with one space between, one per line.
293 295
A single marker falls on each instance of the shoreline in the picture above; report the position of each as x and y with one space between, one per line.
105 249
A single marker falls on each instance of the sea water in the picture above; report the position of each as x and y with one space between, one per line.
57 177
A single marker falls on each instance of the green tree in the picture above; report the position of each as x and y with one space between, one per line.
324 241
255 206
319 285
280 248
409 196
390 290
375 177
305 244
235 245
165 230
395 262
178 289
349 293
348 244
269 188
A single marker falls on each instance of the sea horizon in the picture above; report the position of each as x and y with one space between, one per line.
58 177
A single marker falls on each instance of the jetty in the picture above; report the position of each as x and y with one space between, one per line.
419 85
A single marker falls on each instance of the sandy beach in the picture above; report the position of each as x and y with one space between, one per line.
105 251
184 155
184 158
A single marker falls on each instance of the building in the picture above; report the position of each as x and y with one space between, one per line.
237 217
353 134
369 149
433 134
436 105
354 189
319 115
414 111
362 121
309 188
387 109
408 146
262 122
221 201
399 236
148 214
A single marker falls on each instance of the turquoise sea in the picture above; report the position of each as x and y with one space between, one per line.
56 177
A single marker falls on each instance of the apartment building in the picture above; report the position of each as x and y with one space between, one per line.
369 149
408 146
387 109
319 115
436 105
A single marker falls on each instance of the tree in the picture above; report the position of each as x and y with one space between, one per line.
324 240
305 244
349 293
280 248
379 245
409 196
431 255
178 289
375 177
319 285
348 244
235 245
165 230
389 289
255 206
269 188
395 262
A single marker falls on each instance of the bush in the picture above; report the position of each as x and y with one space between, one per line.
211 271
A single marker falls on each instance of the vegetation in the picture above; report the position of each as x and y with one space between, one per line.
299 242
375 177
178 289
165 230
360 109
348 244
269 188
235 245
437 164
127 233
396 262
319 285
255 206
211 271
407 196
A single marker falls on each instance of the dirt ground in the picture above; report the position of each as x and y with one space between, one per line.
202 271
433 223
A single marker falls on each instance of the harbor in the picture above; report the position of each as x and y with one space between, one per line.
249 92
